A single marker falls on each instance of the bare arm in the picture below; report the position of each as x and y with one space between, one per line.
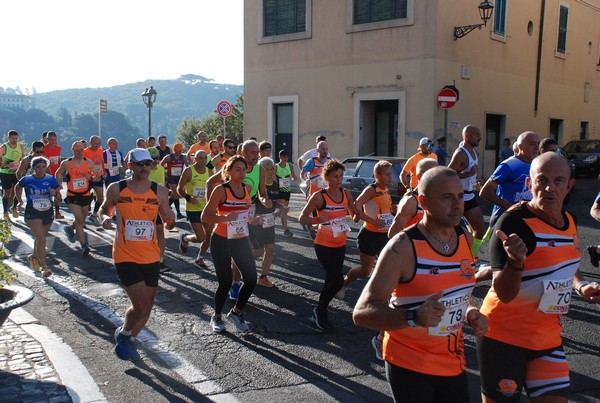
183 180
23 166
406 210
404 177
367 194
167 215
488 192
459 162
209 214
314 202
507 282
595 211
110 201
61 169
212 183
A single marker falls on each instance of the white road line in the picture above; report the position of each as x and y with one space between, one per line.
186 370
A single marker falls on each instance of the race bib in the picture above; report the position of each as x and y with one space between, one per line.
113 171
199 192
285 182
41 203
557 296
320 182
139 230
176 171
472 184
339 226
268 220
55 160
238 228
456 309
80 183
388 218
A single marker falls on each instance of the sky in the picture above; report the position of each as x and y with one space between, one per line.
62 44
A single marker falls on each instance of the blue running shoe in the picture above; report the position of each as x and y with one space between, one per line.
238 320
125 349
85 249
234 291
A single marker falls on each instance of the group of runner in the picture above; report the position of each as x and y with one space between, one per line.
418 294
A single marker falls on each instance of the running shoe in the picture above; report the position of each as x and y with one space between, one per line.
34 262
20 208
238 320
58 216
95 220
163 268
15 212
46 272
378 347
234 291
201 263
125 349
288 233
85 249
265 282
183 244
217 324
319 318
341 293
312 233
70 233
593 255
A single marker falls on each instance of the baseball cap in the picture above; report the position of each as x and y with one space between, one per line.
154 152
139 155
425 140
441 139
178 147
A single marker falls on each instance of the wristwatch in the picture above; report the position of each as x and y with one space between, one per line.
411 316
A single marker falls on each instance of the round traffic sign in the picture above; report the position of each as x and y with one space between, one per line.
224 108
447 98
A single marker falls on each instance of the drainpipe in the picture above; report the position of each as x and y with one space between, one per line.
539 58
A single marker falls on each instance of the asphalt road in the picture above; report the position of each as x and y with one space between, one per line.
284 358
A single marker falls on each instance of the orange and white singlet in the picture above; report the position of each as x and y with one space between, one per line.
532 319
316 179
135 238
379 207
97 157
78 184
333 232
418 215
238 228
438 350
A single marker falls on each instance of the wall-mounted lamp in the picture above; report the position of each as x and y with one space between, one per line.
485 12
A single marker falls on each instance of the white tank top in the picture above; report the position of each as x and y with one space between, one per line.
469 184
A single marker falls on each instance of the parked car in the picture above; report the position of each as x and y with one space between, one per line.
359 174
585 155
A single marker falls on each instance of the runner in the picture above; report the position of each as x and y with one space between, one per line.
265 149
262 236
25 167
113 161
40 189
138 202
312 170
174 164
409 210
285 174
332 205
192 187
52 151
202 144
157 174
376 202
162 146
229 151
228 208
465 161
95 153
11 154
429 272
535 255
80 171
425 150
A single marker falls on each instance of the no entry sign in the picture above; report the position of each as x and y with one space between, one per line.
224 108
447 98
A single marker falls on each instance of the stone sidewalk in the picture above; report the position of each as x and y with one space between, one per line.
26 373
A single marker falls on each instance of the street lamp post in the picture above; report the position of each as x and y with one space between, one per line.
149 97
485 13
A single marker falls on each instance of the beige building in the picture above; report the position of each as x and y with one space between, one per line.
367 73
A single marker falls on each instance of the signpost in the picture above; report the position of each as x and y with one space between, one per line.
224 109
446 99
102 108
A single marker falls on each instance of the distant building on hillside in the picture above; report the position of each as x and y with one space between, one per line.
12 100
367 74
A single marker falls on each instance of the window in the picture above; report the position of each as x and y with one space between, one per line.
561 46
500 17
282 17
366 15
366 11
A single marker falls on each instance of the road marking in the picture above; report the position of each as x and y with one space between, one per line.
186 370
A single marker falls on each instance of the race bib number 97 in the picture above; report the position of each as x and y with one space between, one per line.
139 230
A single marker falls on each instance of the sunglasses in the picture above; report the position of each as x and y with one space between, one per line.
428 145
143 163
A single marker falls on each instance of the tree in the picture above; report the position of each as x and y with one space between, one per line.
64 119
85 125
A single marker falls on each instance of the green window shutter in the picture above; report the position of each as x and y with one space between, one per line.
284 16
366 11
562 29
